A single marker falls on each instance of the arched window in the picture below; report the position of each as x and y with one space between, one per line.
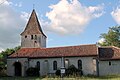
79 64
109 63
31 37
55 65
66 63
35 37
38 65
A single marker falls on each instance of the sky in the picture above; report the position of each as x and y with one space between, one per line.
65 22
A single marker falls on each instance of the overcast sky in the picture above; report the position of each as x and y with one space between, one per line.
65 22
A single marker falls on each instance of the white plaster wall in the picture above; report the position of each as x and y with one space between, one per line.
50 64
106 69
10 65
88 66
43 41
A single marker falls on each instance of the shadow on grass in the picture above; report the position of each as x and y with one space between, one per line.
102 77
20 78
109 77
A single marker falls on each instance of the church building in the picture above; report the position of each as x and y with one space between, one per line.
90 58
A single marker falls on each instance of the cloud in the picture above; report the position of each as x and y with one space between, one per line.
25 15
102 40
116 15
70 17
18 4
5 2
1 50
11 26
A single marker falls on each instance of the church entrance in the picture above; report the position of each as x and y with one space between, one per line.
17 68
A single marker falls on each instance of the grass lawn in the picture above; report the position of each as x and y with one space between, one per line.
113 77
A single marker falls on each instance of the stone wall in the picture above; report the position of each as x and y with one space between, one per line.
27 42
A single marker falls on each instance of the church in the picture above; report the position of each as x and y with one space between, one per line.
90 58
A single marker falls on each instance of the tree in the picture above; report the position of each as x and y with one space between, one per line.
112 37
4 54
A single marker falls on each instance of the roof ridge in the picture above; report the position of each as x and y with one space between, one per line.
63 46
109 47
68 51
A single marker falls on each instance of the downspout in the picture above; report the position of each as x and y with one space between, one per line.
97 62
62 62
97 65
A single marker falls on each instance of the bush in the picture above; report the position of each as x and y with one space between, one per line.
57 72
3 72
72 70
32 71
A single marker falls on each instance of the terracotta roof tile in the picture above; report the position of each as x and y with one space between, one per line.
82 50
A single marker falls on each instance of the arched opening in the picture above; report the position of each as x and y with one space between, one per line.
55 65
38 65
17 69
66 63
79 64
35 37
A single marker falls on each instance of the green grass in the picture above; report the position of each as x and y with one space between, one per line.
113 77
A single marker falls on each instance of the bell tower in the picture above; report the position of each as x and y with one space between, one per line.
33 36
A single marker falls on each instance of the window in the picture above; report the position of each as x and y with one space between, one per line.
35 41
66 63
109 63
35 37
31 36
25 36
38 65
55 65
79 64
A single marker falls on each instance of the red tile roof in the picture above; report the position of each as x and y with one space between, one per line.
33 26
109 53
82 50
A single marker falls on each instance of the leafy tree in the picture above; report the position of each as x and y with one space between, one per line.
4 54
112 37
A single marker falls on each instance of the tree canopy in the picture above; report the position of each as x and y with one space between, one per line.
112 37
4 54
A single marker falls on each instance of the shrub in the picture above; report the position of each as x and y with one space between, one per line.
3 72
72 70
32 71
57 72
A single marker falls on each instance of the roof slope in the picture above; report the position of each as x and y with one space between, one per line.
33 25
82 50
109 53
